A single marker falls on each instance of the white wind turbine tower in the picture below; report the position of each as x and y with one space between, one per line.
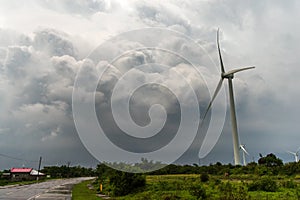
229 76
296 154
244 151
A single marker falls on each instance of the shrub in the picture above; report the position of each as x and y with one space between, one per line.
198 191
230 192
289 184
124 183
298 193
204 177
170 197
265 184
217 181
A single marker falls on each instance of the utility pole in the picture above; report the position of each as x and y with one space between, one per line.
38 174
68 168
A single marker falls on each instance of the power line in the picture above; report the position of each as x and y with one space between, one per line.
15 158
21 159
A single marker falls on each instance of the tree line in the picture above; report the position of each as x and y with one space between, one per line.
266 165
65 171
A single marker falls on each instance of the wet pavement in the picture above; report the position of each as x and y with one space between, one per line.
60 189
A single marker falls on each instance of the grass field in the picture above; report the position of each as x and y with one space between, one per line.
169 187
82 192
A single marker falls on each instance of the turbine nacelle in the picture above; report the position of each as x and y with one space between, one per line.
230 74
226 75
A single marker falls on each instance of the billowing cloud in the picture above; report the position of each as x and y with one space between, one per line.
43 47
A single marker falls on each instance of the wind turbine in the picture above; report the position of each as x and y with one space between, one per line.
229 76
296 154
244 151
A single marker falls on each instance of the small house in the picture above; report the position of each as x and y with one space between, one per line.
24 174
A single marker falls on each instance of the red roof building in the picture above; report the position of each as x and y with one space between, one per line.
21 174
20 170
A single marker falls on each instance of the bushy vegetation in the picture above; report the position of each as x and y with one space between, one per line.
118 183
204 177
267 165
67 172
122 183
267 179
198 191
190 187
289 184
230 191
264 184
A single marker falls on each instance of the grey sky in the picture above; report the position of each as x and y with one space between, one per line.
43 44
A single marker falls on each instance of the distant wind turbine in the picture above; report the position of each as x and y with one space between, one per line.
296 154
229 76
244 151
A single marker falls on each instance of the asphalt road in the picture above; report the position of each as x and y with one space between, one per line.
60 189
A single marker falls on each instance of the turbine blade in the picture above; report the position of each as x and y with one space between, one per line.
243 148
291 152
237 70
209 139
298 150
220 55
246 152
213 97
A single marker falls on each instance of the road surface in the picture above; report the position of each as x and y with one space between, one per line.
60 189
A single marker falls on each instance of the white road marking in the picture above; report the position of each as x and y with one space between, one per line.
35 196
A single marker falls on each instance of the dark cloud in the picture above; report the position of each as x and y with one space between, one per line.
38 68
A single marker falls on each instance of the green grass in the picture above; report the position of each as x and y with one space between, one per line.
82 192
171 187
165 187
289 194
179 187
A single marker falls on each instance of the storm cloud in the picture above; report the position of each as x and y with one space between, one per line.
43 45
